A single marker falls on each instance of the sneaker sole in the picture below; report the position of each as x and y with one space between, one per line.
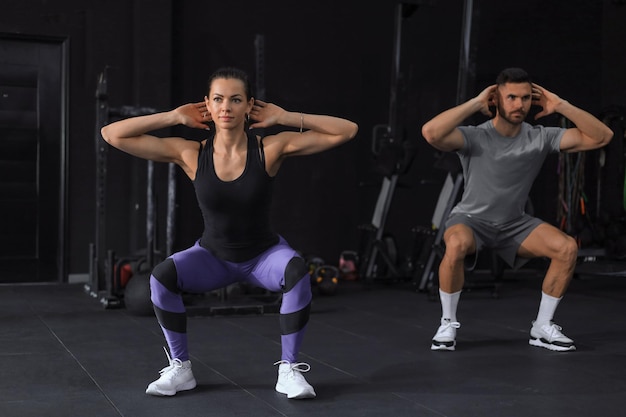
299 396
550 346
450 346
160 393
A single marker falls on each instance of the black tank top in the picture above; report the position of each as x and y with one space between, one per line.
236 213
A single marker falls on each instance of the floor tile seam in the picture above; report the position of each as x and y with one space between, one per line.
341 330
81 366
420 404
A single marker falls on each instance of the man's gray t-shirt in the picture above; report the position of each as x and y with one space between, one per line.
499 171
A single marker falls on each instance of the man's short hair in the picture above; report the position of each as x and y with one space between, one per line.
513 75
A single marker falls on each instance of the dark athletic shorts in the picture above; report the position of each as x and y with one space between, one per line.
504 239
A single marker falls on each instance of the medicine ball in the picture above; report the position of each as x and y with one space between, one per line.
137 295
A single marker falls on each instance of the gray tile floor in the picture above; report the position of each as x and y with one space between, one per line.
63 354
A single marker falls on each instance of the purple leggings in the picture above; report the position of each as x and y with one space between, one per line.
199 271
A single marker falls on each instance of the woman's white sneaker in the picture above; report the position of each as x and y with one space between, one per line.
292 382
175 377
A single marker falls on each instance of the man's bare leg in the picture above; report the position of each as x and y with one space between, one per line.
562 250
459 240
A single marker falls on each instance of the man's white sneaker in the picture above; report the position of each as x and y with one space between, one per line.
292 382
177 376
445 338
549 336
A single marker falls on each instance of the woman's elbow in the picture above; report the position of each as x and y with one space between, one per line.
105 134
354 129
108 136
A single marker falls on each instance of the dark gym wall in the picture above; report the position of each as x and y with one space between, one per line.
319 57
559 47
322 56
133 39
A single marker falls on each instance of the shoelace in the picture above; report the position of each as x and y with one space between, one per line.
453 324
555 329
176 363
299 366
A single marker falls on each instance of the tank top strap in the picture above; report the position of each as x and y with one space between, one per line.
256 147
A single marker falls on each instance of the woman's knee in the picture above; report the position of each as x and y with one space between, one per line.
295 272
165 273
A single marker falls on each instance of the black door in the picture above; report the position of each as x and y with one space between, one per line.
32 159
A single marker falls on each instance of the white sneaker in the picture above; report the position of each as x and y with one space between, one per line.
175 377
445 338
549 336
291 382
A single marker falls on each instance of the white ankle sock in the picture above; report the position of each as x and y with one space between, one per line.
547 307
449 303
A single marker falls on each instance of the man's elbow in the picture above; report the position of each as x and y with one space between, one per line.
429 134
607 136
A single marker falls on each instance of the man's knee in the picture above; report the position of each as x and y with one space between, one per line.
568 252
459 241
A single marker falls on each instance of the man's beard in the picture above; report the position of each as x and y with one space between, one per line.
504 115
